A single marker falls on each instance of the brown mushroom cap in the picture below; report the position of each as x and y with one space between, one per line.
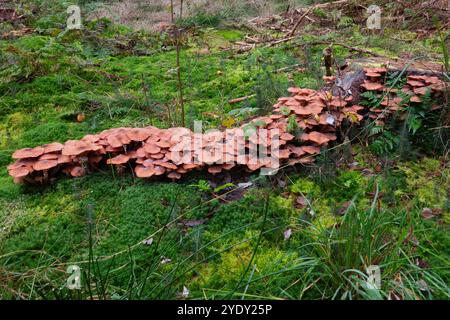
138 134
28 153
311 108
336 102
190 166
64 159
311 149
165 164
254 166
375 69
120 159
298 151
415 83
118 139
49 156
174 175
144 172
420 90
53 147
318 137
214 169
287 136
92 138
151 148
78 147
372 86
19 172
228 166
163 144
45 165
373 74
284 153
22 163
159 170
415 99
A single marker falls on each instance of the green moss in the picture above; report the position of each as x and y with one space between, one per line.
419 183
102 71
305 186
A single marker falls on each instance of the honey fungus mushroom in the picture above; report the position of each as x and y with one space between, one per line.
150 151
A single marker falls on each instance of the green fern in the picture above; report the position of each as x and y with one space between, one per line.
393 80
371 99
385 143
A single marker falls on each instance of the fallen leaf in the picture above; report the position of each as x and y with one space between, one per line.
422 263
185 292
423 286
192 223
343 208
244 185
148 242
394 296
301 202
165 260
428 213
287 234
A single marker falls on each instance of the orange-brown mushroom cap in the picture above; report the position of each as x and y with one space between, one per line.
53 147
372 86
144 171
120 159
28 153
77 172
78 147
44 164
19 172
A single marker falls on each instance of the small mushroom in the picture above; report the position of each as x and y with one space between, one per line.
144 171
77 171
415 83
174 175
415 99
165 164
214 169
286 136
311 149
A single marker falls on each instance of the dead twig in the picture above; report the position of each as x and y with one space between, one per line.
299 21
348 47
236 100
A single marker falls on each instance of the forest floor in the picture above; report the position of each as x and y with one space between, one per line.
310 232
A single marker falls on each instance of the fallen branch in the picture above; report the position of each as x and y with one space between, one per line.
299 21
317 6
348 47
236 100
